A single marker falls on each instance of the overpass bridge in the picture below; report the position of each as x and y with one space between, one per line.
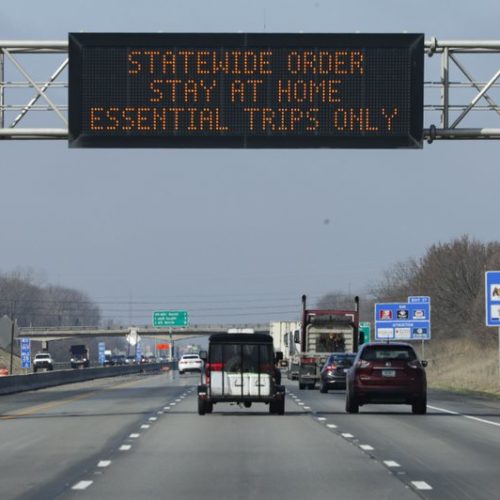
172 333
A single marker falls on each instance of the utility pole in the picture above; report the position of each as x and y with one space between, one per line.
12 313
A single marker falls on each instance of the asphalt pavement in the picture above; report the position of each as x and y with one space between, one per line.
141 437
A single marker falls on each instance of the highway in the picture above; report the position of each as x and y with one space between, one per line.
140 437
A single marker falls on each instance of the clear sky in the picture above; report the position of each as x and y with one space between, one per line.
238 235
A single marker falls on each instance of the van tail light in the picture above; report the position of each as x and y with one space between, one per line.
363 364
331 368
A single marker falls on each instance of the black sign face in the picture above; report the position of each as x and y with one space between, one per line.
246 90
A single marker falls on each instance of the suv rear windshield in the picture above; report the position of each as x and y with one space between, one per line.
388 352
190 356
42 356
249 358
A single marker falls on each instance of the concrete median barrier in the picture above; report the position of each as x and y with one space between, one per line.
32 381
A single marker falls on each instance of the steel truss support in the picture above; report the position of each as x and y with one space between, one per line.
32 96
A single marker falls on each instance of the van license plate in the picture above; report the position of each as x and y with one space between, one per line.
388 373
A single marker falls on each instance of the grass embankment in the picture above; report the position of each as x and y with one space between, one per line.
460 365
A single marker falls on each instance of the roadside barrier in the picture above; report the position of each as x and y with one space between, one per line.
32 381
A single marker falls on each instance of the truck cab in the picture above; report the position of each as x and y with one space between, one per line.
241 368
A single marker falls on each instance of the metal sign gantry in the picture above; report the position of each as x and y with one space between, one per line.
460 101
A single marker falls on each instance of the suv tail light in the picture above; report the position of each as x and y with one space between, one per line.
308 360
363 364
415 364
331 367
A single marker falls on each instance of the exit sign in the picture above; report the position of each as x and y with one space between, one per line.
170 318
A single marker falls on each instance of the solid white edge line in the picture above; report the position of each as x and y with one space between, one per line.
391 463
104 463
477 419
82 485
421 485
443 410
470 417
125 447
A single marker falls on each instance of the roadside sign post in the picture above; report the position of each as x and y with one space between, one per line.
492 303
25 353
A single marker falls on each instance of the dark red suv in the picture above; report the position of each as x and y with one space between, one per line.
387 373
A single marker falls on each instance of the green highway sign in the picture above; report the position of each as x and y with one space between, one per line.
365 328
170 318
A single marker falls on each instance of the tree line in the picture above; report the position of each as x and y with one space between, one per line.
34 304
452 274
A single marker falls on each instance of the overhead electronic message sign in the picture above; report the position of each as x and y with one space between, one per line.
215 90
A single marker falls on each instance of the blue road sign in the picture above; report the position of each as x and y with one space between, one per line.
25 353
403 321
102 348
138 352
492 294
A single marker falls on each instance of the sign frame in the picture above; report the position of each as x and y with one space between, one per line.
408 324
491 278
169 319
414 43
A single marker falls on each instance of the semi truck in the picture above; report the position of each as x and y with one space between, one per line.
79 356
323 331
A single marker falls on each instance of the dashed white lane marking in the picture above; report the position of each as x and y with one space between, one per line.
82 485
347 435
159 412
134 435
307 408
470 417
125 447
178 400
166 407
331 426
366 447
321 419
421 485
173 404
152 419
301 404
145 426
391 463
104 463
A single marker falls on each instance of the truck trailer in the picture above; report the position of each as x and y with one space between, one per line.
322 332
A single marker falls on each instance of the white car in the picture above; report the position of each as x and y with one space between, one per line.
43 360
190 363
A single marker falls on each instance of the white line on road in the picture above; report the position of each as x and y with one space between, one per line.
166 407
104 463
470 417
134 436
331 426
347 435
307 407
443 410
82 485
421 485
391 463
301 404
125 447
159 412
177 400
321 419
145 426
366 447
152 419
482 420
173 404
